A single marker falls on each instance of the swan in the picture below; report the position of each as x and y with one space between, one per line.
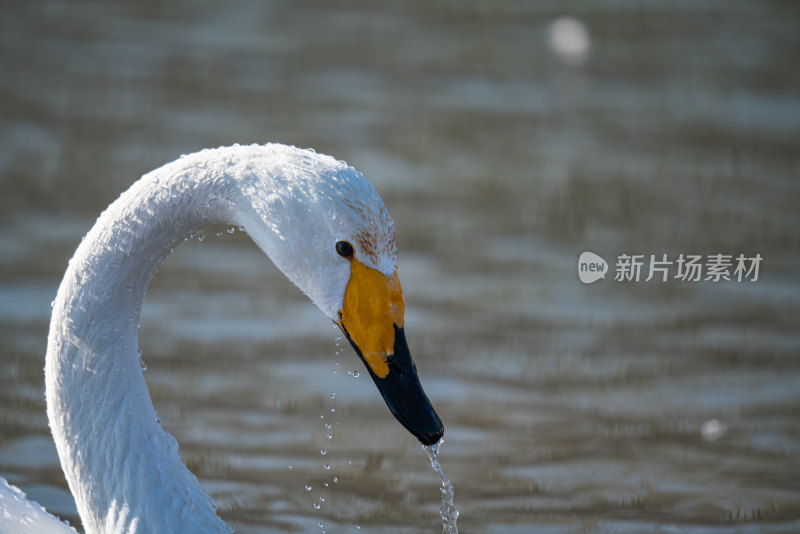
319 221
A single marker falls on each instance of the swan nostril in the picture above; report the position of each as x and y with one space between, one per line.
394 367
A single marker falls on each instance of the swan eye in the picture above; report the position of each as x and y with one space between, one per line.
344 249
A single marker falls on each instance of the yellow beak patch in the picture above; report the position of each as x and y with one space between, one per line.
373 304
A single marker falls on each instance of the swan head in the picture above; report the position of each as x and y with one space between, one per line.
325 226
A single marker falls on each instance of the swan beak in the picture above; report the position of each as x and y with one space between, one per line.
372 320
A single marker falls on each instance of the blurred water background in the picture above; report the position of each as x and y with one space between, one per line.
504 146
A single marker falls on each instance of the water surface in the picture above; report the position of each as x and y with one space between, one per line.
568 408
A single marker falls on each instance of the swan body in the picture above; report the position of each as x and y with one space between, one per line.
298 206
18 515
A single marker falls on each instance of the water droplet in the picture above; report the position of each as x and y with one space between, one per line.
355 374
142 365
231 230
335 480
241 228
713 430
200 237
158 421
330 436
308 487
316 506
325 484
291 467
219 234
323 452
333 410
333 395
53 303
326 467
322 499
358 527
327 425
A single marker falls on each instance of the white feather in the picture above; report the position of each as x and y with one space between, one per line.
18 515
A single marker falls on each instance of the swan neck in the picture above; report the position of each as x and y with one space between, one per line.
122 467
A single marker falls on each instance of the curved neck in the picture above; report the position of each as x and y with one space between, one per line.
122 467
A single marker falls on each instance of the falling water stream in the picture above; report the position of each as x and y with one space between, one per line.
448 511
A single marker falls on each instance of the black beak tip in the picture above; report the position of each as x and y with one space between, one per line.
431 438
416 414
